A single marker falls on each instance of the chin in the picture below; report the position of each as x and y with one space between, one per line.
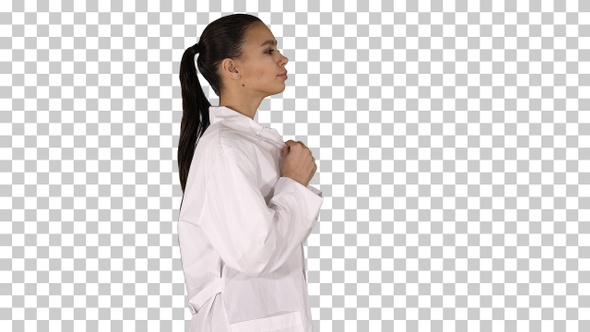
278 91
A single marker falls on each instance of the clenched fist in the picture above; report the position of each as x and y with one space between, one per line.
298 162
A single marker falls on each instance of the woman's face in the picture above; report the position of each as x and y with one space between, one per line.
262 66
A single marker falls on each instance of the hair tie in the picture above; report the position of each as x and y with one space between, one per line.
196 48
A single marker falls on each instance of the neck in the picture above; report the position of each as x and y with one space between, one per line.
240 104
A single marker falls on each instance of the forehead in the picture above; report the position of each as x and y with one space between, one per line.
257 34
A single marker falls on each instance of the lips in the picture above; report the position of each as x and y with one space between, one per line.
283 75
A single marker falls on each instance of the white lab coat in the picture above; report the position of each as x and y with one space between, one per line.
241 228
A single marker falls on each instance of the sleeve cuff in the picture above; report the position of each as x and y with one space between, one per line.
315 190
309 198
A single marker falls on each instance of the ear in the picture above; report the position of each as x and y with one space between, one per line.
228 68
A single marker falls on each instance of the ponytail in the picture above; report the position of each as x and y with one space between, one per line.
195 112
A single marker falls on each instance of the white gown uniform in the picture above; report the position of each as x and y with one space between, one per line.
241 229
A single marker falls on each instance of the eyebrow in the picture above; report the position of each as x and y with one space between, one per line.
269 42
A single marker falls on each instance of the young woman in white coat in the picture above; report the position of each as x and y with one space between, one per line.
247 204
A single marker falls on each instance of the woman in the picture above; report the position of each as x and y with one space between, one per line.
247 204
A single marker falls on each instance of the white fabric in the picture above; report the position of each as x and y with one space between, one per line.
241 229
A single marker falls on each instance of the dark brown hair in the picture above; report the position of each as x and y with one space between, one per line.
221 39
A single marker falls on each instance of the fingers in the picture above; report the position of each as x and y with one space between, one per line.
291 143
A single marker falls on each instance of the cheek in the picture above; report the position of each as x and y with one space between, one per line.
258 76
261 70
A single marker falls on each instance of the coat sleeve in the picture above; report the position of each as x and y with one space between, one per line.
250 235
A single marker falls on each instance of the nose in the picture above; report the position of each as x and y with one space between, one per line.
283 61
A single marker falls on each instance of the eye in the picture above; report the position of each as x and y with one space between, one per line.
270 51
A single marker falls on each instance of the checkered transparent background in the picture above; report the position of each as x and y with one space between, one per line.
452 142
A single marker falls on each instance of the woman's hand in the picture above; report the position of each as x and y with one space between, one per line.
298 162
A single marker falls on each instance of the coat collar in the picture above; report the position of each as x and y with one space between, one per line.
243 123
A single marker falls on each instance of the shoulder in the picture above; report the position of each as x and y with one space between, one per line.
221 144
235 141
